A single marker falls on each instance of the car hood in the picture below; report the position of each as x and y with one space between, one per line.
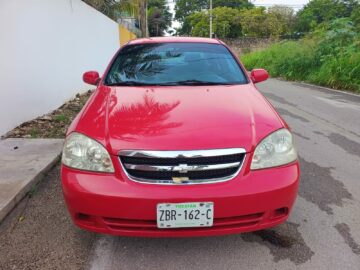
178 117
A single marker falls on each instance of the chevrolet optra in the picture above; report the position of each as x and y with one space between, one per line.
177 141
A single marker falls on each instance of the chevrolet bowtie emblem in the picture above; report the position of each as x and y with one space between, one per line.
180 180
182 168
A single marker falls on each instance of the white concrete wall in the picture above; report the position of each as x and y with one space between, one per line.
45 46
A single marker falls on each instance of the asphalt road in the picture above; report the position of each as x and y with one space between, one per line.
323 231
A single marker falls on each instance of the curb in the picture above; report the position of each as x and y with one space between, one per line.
24 190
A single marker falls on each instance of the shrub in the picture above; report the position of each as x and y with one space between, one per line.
330 56
291 60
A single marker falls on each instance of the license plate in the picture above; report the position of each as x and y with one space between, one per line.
182 215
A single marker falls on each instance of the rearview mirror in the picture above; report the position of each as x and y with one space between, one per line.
91 77
259 75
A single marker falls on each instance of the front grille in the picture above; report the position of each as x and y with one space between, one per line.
182 167
180 160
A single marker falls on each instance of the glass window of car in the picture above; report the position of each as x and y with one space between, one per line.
175 64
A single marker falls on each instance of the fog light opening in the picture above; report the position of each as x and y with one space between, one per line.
85 219
280 212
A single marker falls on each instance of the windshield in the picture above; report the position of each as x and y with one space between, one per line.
175 64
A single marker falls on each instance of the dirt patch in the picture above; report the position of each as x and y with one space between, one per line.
284 242
54 124
38 234
318 186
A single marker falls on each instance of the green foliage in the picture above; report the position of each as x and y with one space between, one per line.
185 8
290 59
339 38
319 11
231 23
280 20
61 118
115 9
226 23
198 24
355 17
159 17
253 22
329 56
195 22
232 3
34 133
274 22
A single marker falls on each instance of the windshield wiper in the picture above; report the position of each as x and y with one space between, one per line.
130 83
196 82
186 82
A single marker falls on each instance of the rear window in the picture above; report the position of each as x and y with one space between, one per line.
175 64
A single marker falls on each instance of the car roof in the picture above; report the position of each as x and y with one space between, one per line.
174 39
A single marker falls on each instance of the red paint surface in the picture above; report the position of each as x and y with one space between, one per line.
178 118
259 75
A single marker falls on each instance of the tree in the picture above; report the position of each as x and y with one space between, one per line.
232 3
193 20
318 11
232 23
226 23
159 17
253 22
274 22
198 24
280 20
184 8
114 9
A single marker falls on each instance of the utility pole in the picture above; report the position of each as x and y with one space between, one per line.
146 19
211 18
143 17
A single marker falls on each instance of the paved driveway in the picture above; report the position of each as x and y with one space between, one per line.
323 231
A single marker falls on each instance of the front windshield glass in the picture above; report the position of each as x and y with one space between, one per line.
175 64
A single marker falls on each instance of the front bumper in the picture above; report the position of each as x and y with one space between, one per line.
113 204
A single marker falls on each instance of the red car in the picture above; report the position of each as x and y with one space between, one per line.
177 141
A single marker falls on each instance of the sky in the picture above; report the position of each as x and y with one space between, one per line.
295 4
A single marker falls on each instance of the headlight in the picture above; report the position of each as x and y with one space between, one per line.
275 150
81 152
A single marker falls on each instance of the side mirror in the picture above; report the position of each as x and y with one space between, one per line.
91 77
259 75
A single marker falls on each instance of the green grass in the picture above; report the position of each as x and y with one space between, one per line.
287 59
61 118
34 133
307 60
